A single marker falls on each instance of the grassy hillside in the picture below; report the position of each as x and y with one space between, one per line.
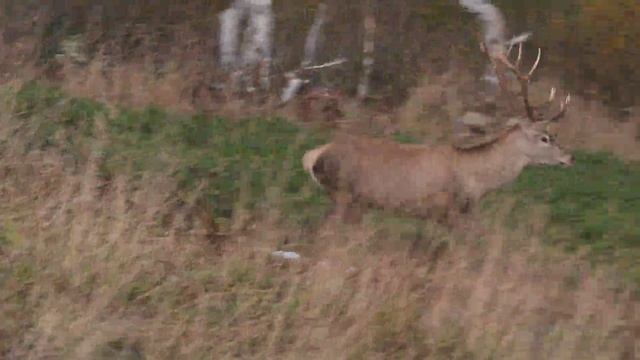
100 257
593 205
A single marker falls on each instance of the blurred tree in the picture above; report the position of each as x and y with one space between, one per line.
585 41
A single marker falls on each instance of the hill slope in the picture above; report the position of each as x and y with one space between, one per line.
143 234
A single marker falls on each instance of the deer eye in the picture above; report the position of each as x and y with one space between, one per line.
545 139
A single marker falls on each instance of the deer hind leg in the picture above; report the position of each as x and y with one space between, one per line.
345 209
353 213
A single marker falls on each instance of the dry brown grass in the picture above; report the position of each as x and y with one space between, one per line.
115 270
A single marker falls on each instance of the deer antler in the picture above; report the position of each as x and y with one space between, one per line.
502 58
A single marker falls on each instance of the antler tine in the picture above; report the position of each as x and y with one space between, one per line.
509 50
523 79
519 59
563 109
552 94
501 61
535 65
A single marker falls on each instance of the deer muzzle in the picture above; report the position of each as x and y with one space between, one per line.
566 160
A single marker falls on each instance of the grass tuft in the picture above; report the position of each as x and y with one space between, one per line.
34 98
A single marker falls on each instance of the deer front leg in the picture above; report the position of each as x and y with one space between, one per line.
451 209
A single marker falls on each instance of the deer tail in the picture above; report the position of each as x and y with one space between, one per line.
310 158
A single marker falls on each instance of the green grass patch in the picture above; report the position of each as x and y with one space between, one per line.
405 138
4 240
80 113
240 163
251 164
34 98
55 120
594 205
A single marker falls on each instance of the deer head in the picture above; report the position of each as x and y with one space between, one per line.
536 143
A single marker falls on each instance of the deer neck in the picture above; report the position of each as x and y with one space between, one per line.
482 170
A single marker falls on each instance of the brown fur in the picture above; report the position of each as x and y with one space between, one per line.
438 181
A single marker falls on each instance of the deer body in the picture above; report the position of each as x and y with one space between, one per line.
438 181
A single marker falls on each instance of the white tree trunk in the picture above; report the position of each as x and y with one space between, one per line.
493 25
256 48
229 32
310 47
368 48
313 37
493 37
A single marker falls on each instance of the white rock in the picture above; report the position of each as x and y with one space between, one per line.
287 255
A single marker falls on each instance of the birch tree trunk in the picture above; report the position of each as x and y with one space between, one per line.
295 82
368 48
255 52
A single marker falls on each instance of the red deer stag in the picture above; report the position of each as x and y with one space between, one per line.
439 181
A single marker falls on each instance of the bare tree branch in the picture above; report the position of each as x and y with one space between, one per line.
335 62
